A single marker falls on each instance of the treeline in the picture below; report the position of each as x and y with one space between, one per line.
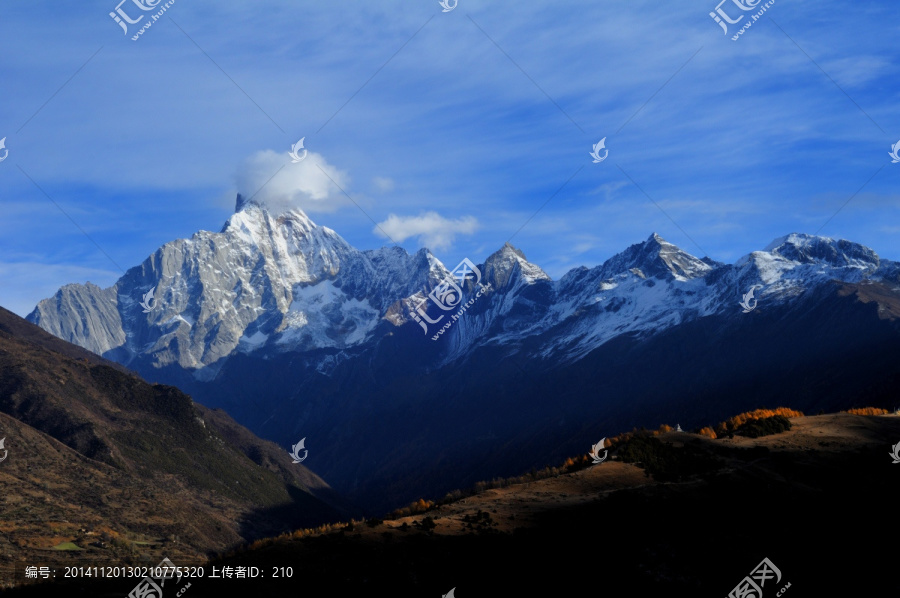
867 411
638 446
730 426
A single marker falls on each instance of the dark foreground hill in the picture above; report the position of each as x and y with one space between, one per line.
817 501
99 465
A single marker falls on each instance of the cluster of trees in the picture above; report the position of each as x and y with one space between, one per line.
662 429
294 535
764 427
664 461
428 524
571 464
867 411
708 432
730 426
482 521
727 428
419 506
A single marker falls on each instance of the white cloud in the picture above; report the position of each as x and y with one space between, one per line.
433 230
273 180
383 184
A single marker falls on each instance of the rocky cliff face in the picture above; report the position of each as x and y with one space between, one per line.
276 281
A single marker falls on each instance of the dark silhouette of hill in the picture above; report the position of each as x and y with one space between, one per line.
125 470
816 500
498 412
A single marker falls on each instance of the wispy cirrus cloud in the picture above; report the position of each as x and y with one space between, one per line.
383 184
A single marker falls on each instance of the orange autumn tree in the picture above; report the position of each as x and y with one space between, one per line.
867 411
420 506
708 432
730 425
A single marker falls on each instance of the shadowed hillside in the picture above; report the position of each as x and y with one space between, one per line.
815 500
113 469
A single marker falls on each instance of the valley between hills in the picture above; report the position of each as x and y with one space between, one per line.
815 500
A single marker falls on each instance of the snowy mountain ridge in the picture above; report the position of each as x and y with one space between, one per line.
279 282
297 334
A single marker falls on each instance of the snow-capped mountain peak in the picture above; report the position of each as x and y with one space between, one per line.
657 258
504 265
808 249
266 279
272 283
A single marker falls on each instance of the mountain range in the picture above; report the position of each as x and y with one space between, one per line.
409 378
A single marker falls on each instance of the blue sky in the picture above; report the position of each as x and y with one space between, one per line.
449 130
